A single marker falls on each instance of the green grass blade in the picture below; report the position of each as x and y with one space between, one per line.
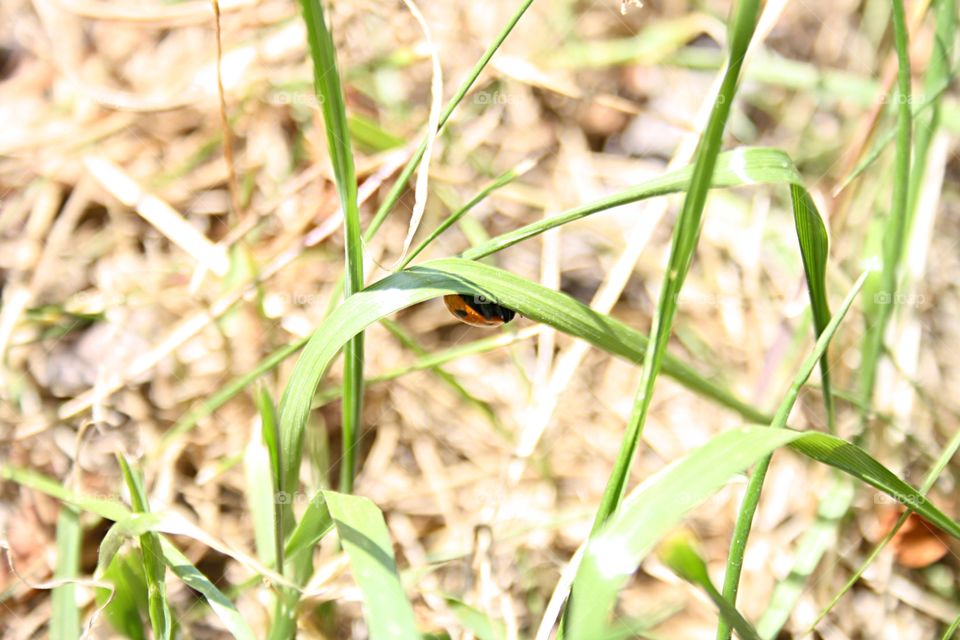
658 504
161 615
500 181
741 166
366 541
401 183
678 554
685 237
65 616
440 277
928 483
894 234
327 85
751 498
219 603
312 527
262 469
129 597
109 509
476 621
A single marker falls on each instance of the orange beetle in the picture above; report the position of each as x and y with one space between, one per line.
477 310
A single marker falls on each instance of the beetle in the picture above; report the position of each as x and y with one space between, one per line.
477 310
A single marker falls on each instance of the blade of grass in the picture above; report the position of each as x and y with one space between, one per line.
815 542
262 471
613 554
741 166
678 554
812 237
658 504
65 615
219 603
161 616
928 483
327 86
366 541
685 237
502 180
441 277
894 235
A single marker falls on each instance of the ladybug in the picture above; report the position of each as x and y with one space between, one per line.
477 310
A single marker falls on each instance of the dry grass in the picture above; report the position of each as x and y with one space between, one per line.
121 256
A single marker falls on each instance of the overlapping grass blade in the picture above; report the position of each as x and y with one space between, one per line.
741 166
816 540
659 503
928 483
136 524
219 603
678 554
327 85
672 493
440 277
812 237
366 541
685 237
161 615
65 615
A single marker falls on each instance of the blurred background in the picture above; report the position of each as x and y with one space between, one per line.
137 284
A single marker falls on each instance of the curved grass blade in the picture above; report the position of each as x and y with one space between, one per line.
327 85
685 237
366 541
452 275
659 503
678 554
928 483
713 482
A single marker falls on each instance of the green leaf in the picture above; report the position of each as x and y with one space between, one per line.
366 541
